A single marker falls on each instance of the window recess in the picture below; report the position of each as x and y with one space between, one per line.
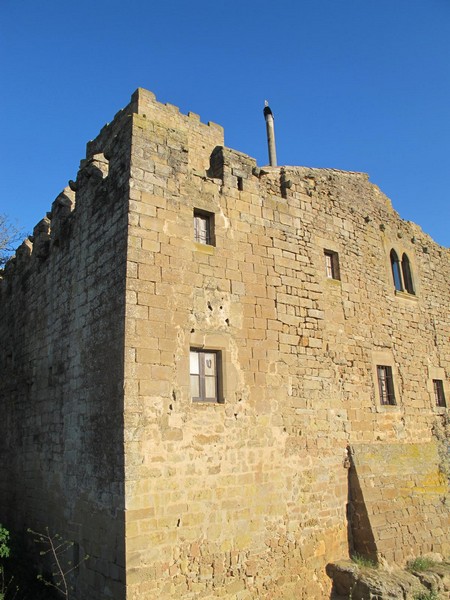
332 264
204 227
401 273
439 395
407 276
205 368
386 385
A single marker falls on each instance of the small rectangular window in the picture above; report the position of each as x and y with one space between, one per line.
203 227
439 396
331 264
204 372
386 385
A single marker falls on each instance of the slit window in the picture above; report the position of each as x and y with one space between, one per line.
331 264
204 373
439 396
396 273
407 277
204 227
386 385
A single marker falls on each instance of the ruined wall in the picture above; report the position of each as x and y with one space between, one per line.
61 385
248 498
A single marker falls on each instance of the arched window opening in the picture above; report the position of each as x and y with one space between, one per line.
396 274
407 277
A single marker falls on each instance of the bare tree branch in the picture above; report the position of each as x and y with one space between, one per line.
10 237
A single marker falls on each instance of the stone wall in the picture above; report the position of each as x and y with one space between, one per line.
394 501
252 496
61 384
248 498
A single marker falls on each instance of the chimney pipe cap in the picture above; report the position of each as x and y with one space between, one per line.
267 110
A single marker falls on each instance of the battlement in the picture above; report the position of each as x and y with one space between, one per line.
203 137
146 104
55 229
106 152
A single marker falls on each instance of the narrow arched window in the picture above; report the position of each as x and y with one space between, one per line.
407 277
396 274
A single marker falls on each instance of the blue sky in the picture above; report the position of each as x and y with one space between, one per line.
359 85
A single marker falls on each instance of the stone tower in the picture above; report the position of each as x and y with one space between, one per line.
218 378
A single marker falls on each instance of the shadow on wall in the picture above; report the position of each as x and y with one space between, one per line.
359 530
360 539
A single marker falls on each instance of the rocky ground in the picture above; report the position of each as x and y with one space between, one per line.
354 582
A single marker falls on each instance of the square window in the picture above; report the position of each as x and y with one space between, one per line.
205 375
439 396
331 264
203 227
386 385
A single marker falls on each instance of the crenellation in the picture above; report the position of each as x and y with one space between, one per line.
23 252
41 239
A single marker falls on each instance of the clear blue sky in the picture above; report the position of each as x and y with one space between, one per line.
360 85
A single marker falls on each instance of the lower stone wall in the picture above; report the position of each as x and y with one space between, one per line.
252 523
271 535
284 568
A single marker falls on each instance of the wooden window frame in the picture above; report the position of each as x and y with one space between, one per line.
204 235
386 385
439 394
202 376
332 270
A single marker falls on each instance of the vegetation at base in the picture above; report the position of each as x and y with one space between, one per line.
420 563
56 548
426 596
4 542
19 582
363 561
7 587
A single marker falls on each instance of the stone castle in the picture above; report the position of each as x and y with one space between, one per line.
217 378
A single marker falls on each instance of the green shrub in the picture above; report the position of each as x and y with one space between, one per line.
4 542
426 596
421 563
363 561
7 587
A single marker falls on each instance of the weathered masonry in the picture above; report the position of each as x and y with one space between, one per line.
218 378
